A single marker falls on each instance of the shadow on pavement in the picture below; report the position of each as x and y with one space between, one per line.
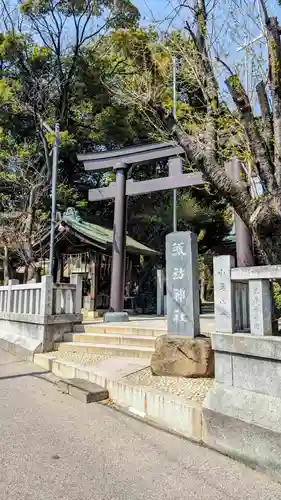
12 362
20 375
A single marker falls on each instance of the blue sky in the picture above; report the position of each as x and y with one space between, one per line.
162 8
229 32
154 6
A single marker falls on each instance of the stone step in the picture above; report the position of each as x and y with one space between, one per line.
114 338
87 392
109 349
123 329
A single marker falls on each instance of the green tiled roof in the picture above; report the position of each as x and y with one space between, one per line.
231 237
101 236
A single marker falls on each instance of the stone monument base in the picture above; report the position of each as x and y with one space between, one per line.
116 317
183 357
244 425
242 412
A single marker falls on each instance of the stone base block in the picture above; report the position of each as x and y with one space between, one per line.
32 334
87 392
245 425
116 317
183 357
16 350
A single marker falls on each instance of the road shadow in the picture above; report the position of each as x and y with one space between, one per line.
21 375
12 362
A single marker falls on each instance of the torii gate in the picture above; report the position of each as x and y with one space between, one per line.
121 161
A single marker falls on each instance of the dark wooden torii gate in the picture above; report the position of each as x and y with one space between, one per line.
121 161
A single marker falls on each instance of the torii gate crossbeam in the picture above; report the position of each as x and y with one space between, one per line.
121 161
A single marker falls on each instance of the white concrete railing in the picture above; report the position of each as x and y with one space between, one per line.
42 299
243 297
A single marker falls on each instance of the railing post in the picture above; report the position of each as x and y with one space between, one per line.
76 279
94 275
224 294
46 307
10 299
260 307
160 291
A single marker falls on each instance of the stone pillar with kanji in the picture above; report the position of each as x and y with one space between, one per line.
183 306
183 351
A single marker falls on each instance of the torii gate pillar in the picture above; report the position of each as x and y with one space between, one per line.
119 248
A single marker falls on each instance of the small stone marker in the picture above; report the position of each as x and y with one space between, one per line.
224 294
260 307
183 306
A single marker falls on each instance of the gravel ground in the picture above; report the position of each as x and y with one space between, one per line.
80 358
190 388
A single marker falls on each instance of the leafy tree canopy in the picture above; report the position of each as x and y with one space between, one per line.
70 62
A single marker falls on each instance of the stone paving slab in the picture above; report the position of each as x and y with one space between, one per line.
207 322
118 368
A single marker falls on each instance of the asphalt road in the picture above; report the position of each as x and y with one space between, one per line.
56 448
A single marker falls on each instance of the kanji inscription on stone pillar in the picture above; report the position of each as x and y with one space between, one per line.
183 306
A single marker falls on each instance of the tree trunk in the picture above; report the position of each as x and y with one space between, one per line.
30 273
274 48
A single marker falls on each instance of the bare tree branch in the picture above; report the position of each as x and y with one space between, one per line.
266 114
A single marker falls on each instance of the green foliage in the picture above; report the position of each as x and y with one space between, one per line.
11 44
277 296
77 80
67 140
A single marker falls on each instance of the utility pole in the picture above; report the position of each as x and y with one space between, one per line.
54 197
248 43
245 47
175 115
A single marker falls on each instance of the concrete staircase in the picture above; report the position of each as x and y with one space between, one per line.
111 340
134 339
